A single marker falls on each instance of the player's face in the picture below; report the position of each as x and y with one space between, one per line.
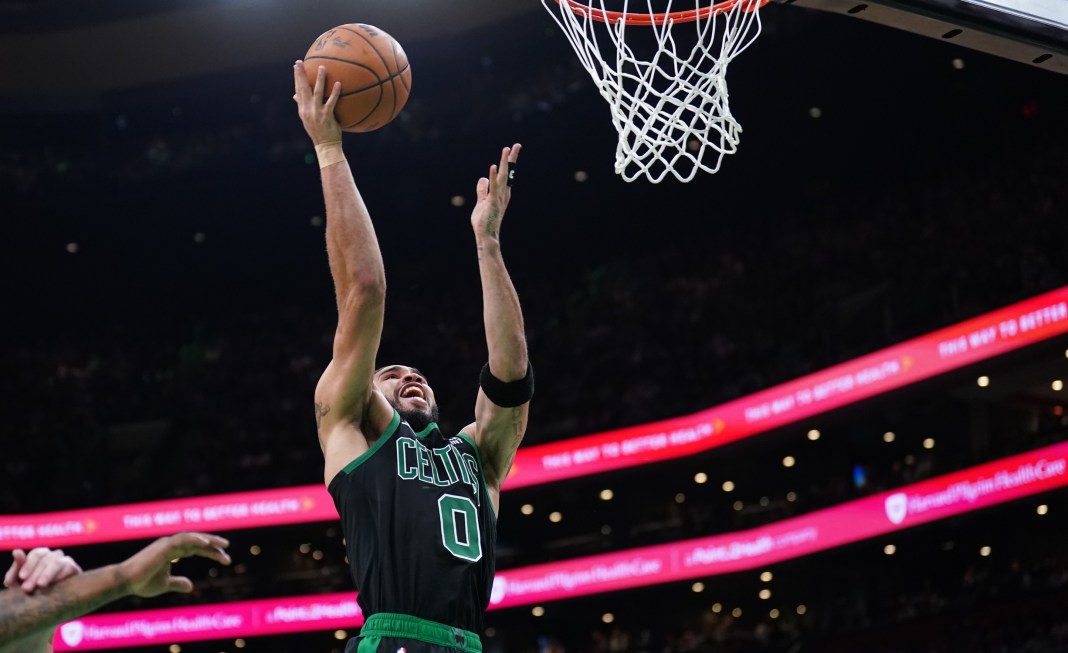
406 390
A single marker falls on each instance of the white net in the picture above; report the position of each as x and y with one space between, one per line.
667 85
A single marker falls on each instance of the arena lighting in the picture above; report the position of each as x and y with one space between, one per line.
813 435
728 486
606 495
239 643
765 594
255 550
789 461
1042 509
174 648
928 443
737 612
555 517
700 478
698 587
305 548
537 611
717 608
980 338
889 436
983 381
791 496
801 609
1057 385
889 549
341 634
608 617
680 498
774 613
527 509
984 551
738 505
766 576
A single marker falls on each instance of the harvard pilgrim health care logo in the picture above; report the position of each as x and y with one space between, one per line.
500 588
897 507
72 633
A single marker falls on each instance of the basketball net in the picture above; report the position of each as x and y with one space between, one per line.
670 105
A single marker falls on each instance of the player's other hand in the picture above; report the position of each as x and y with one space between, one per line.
493 194
148 572
316 113
39 568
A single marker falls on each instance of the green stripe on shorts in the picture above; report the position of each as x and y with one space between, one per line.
386 624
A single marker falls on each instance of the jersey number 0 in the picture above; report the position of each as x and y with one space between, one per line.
460 533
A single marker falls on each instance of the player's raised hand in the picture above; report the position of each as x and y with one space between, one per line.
38 568
148 572
316 113
493 194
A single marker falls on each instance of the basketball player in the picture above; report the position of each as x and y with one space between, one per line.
46 588
418 508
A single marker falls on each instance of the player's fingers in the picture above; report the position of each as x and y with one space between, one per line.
513 156
335 94
482 188
33 558
184 545
505 152
63 567
320 84
179 584
18 558
205 546
301 86
45 572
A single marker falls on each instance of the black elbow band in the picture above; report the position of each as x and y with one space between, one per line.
507 394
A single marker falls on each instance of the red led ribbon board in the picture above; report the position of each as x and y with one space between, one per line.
936 499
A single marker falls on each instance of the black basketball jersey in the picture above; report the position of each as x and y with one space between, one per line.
419 526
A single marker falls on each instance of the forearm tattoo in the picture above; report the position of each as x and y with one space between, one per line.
23 615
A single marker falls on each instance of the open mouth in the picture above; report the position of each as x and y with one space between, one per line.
415 392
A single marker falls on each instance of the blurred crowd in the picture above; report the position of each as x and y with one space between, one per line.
199 384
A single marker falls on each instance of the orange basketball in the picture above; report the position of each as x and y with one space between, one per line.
372 68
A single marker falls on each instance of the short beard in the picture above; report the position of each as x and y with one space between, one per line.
419 419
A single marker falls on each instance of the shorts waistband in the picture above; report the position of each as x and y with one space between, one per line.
387 624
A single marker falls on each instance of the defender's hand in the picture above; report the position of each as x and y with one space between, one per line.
316 114
493 195
148 572
39 568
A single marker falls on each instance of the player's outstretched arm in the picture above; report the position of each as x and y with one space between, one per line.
29 571
147 573
503 397
343 395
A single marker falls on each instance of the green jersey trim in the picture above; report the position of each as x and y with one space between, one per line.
425 432
390 430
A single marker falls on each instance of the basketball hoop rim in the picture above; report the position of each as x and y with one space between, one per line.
687 16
